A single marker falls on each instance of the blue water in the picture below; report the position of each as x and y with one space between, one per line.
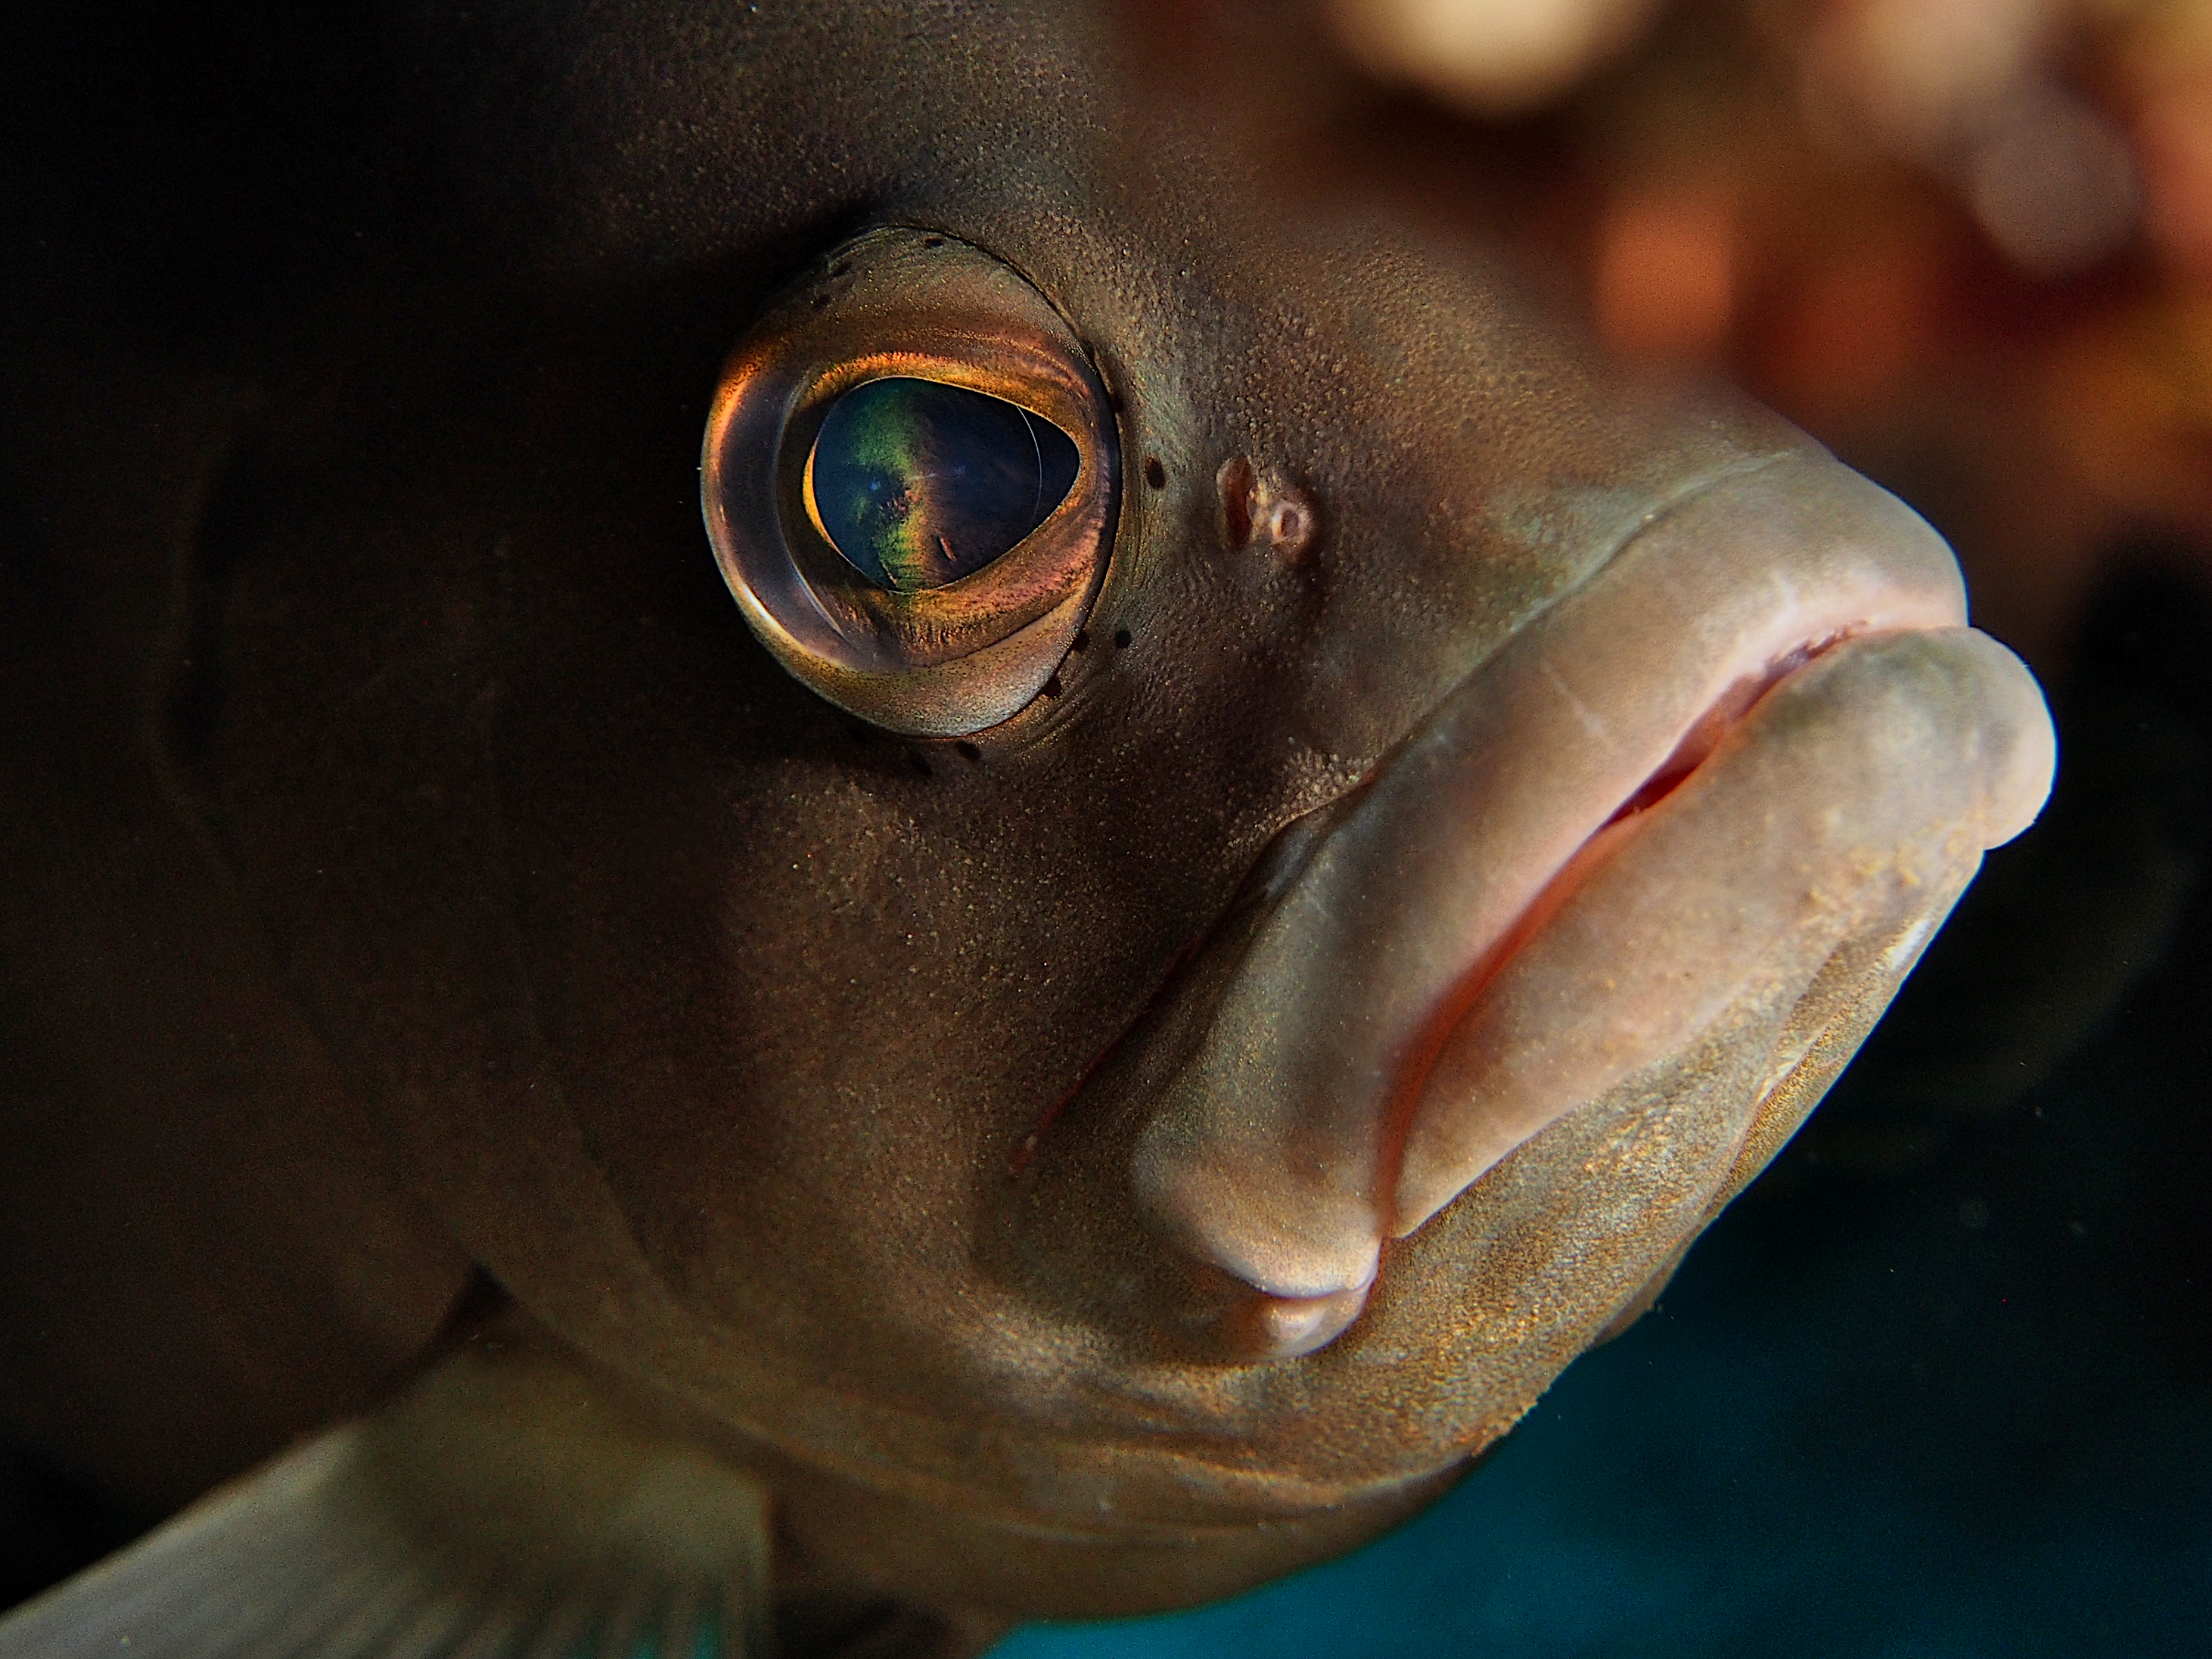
1904 1423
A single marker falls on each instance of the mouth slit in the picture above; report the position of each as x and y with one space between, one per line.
1695 747
1706 732
1691 751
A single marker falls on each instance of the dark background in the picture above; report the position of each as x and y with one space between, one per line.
1941 1382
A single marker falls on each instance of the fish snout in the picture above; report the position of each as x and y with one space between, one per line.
1733 779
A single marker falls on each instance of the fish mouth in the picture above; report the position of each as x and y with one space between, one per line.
1760 731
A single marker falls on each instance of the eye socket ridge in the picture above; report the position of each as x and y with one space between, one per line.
943 648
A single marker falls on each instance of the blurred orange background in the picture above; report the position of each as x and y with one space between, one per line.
1965 243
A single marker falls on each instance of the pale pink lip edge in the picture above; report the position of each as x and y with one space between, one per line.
1312 1321
1871 604
1792 639
1699 738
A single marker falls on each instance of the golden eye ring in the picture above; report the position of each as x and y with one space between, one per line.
946 657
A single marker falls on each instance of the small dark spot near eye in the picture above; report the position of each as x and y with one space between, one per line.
967 750
1155 474
1051 686
920 764
840 267
1082 640
1120 639
932 242
819 301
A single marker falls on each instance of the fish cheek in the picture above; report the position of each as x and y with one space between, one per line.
803 1012
714 929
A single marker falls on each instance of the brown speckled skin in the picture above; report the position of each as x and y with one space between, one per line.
709 1023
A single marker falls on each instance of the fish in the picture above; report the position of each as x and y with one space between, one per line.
889 845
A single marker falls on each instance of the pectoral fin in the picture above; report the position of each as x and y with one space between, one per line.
499 1509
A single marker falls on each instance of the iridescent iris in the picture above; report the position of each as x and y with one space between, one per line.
919 483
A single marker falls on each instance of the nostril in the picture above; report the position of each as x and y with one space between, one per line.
1290 527
1261 506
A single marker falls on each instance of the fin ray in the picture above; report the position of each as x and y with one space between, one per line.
470 1519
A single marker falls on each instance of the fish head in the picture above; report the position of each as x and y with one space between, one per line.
1113 1059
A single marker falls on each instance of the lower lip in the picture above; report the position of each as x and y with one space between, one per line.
1703 736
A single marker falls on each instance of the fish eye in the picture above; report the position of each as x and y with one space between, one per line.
919 483
909 479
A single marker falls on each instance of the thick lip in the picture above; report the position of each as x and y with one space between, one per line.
1699 737
1273 1153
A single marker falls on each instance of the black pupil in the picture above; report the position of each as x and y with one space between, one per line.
919 483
